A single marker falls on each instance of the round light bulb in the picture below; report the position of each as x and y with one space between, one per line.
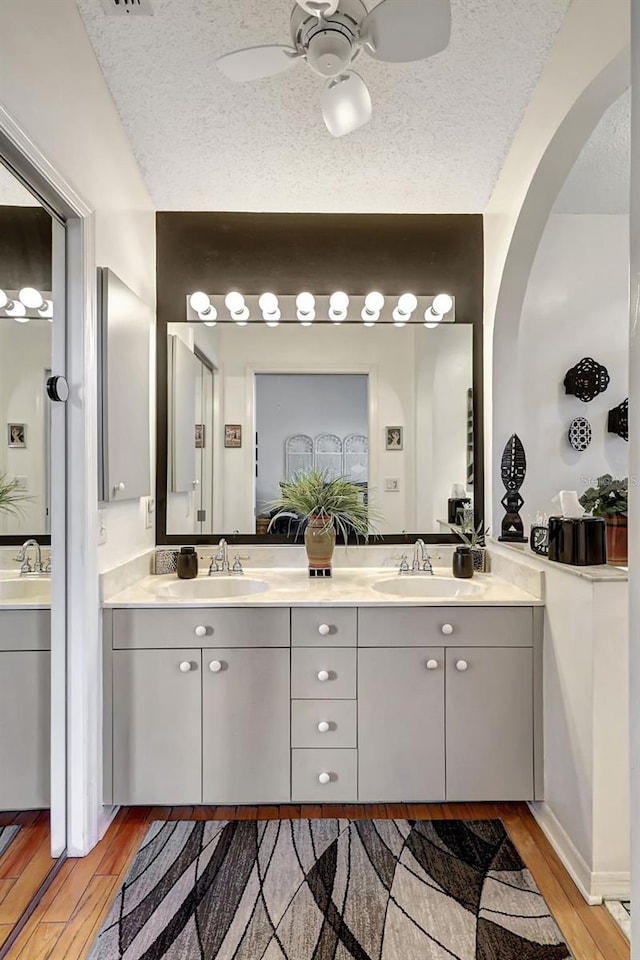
16 309
273 323
32 298
338 316
199 301
306 318
273 319
407 303
432 324
46 311
210 315
22 319
400 317
374 302
370 316
339 301
268 303
305 302
442 304
209 323
241 315
4 299
234 302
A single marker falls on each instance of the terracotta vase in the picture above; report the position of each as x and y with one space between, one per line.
617 540
320 541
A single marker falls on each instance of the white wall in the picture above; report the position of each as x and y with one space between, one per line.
25 355
61 101
576 306
288 404
417 379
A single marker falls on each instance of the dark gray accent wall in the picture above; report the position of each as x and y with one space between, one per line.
25 248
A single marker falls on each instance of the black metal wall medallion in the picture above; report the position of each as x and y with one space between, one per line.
587 379
618 420
513 471
580 433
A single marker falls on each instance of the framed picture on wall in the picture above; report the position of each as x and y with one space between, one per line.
232 435
17 435
393 438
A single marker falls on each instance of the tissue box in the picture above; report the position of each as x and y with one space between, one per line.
581 542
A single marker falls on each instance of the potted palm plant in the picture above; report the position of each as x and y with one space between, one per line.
329 506
475 539
609 500
11 496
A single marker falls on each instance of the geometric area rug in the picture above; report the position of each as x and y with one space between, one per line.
7 836
329 890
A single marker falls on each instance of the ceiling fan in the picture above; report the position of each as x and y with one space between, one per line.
330 34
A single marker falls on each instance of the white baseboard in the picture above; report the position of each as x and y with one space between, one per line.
594 887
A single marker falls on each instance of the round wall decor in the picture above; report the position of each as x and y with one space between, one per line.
580 433
618 420
587 379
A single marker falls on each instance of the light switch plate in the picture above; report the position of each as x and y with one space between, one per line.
149 510
392 484
22 484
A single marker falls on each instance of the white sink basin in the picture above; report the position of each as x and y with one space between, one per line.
25 591
428 587
211 588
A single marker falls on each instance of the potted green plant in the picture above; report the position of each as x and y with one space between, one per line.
329 505
475 539
609 500
11 496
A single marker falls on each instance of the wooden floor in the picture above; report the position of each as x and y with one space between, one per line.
24 865
69 916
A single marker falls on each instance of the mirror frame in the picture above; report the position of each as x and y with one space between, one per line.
253 252
164 538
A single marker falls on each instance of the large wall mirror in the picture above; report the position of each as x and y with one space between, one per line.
397 409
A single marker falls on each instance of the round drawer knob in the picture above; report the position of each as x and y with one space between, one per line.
120 487
324 778
200 631
432 664
323 676
186 666
324 629
215 666
323 726
447 629
462 665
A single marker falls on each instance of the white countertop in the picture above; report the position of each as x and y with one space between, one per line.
292 587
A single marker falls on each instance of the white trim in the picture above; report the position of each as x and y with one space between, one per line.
594 887
83 694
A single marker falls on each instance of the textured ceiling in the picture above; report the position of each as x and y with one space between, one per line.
439 135
12 193
600 179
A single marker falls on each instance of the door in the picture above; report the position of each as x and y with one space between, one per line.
489 723
157 743
25 706
246 724
401 724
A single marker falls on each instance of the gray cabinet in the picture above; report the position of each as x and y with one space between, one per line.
25 684
489 723
245 726
401 724
157 718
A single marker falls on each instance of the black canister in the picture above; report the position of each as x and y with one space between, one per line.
187 563
462 563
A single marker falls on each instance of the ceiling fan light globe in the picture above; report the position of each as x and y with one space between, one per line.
329 53
346 104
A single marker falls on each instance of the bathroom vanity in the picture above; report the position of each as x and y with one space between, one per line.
256 700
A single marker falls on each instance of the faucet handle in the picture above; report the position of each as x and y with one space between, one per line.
404 564
237 565
19 558
26 566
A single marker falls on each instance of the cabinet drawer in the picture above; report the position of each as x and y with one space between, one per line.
311 626
204 627
307 766
306 715
323 674
25 630
445 626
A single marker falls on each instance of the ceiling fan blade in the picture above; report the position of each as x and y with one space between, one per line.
318 8
346 104
399 31
255 63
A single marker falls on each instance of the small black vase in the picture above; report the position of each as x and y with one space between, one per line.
462 563
187 563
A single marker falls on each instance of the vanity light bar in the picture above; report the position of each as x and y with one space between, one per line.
308 309
26 304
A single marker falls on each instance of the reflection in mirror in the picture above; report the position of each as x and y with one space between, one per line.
388 407
25 595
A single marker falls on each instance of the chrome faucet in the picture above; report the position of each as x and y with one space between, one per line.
26 570
220 562
421 558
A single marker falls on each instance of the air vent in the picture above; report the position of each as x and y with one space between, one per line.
118 8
